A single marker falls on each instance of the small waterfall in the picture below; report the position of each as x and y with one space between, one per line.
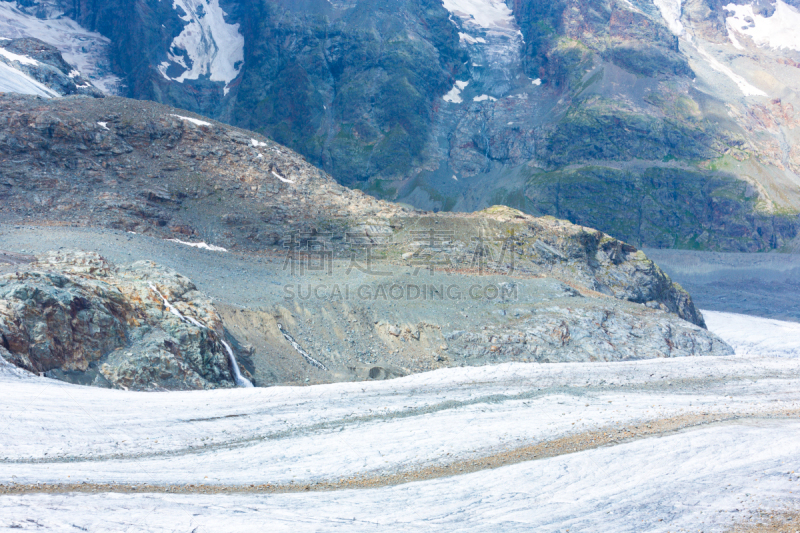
238 378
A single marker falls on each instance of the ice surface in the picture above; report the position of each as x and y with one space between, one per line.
83 49
671 11
284 434
484 97
750 335
207 46
706 478
781 30
16 81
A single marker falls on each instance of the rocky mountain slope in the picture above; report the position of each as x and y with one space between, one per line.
416 290
680 113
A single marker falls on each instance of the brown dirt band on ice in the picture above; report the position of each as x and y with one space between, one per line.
763 521
608 436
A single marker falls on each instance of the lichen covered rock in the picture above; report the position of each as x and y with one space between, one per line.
77 317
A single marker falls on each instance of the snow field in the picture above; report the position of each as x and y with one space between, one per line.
781 30
211 46
87 51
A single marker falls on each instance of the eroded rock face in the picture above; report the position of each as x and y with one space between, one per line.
77 317
585 332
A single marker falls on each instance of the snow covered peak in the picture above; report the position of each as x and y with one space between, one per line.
781 30
207 46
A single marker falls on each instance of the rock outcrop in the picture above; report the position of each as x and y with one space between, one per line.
75 316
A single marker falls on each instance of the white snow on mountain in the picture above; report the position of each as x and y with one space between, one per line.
489 31
671 11
11 56
454 95
732 36
15 81
207 46
195 121
492 15
85 50
746 87
470 39
781 30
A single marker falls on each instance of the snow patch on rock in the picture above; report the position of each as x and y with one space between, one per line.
207 46
11 56
194 121
86 50
454 95
201 245
781 30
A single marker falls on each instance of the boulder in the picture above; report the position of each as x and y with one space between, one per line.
77 317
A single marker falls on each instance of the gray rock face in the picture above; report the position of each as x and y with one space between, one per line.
584 332
74 316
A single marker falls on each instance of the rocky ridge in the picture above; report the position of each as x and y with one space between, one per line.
142 167
568 292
